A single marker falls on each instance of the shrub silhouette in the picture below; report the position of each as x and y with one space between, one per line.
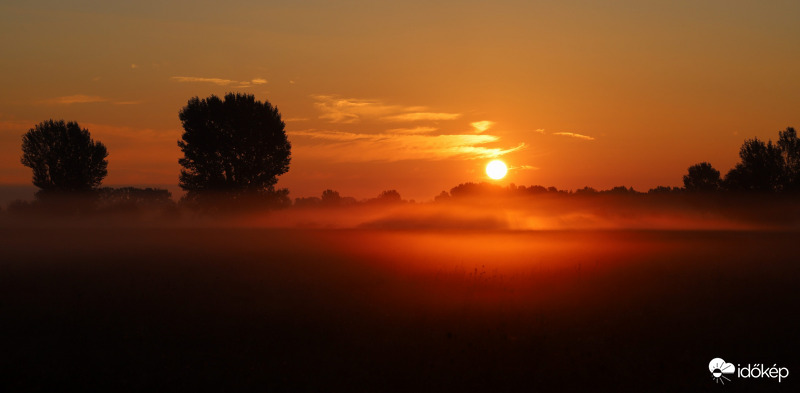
235 147
64 158
702 177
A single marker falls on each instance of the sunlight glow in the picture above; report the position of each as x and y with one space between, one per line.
496 169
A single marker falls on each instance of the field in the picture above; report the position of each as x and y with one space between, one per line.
139 308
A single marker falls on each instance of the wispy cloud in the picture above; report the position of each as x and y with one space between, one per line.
574 135
85 99
76 99
219 81
359 147
417 116
352 110
415 130
194 79
482 126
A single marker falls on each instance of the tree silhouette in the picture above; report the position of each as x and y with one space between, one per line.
389 196
789 145
63 157
235 146
702 177
331 197
761 168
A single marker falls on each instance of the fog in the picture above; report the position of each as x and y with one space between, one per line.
548 293
545 212
604 212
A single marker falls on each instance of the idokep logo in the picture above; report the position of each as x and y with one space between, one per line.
720 368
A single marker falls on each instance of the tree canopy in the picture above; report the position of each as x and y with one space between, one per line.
63 157
761 168
235 146
702 177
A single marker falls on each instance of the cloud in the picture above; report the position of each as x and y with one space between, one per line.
350 110
194 79
574 135
417 116
220 81
415 130
539 131
359 147
481 126
76 99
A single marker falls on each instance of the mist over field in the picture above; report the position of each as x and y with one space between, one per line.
507 213
488 294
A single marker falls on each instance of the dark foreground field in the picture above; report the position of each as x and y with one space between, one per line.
355 310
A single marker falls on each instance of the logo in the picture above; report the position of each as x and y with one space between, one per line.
719 368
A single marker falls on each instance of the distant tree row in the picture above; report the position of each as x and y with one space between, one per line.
332 198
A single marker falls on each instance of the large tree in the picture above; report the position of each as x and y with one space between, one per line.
233 146
702 177
63 157
761 169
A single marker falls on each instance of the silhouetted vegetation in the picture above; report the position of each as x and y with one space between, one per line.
64 158
134 201
702 177
234 149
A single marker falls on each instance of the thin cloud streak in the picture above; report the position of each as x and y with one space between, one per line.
415 130
418 116
219 81
341 146
194 79
353 110
76 99
574 135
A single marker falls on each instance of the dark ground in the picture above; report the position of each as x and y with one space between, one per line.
162 309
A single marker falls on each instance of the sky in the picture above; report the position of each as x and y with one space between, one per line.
416 96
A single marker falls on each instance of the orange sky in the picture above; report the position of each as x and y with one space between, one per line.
413 95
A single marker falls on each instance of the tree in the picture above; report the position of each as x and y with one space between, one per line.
389 196
64 158
761 169
702 177
789 145
331 197
236 146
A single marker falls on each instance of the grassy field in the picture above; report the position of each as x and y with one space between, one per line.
229 309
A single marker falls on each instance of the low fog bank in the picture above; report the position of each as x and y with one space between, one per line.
664 212
483 212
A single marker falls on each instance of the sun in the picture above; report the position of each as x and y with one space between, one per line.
496 169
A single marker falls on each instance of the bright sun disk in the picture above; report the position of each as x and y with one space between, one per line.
496 169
